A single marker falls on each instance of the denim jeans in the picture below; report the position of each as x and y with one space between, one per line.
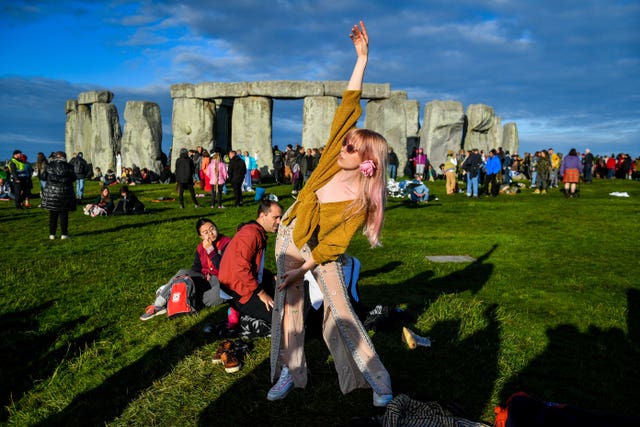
79 188
393 171
472 186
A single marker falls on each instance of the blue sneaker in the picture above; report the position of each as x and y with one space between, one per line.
282 387
381 400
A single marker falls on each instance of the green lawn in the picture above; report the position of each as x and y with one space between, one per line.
551 306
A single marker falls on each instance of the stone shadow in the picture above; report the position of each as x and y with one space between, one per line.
25 355
130 225
597 370
108 400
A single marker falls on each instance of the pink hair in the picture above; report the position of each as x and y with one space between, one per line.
372 190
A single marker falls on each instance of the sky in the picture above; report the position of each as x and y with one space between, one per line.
565 71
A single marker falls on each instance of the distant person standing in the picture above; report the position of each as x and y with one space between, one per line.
81 169
492 169
587 163
58 196
41 164
571 170
236 171
19 178
185 169
393 164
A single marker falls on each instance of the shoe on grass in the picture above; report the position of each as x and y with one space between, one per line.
226 345
152 311
282 387
52 237
230 361
381 400
64 237
414 340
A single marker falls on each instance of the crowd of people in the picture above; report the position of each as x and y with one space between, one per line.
495 171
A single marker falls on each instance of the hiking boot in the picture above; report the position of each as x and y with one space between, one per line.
282 387
414 340
152 311
381 400
230 361
226 345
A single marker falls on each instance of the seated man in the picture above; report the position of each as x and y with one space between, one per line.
5 190
242 272
129 204
204 271
418 191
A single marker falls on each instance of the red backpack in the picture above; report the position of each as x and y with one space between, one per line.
181 298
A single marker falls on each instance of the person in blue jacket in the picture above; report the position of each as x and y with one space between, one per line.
492 169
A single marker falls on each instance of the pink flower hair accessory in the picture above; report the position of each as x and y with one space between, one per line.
368 168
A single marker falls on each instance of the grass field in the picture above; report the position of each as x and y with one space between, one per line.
550 306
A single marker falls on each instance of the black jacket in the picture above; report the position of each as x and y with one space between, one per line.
58 195
237 169
185 168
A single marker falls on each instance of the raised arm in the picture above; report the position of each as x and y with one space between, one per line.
360 40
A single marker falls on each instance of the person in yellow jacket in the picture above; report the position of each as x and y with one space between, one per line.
345 192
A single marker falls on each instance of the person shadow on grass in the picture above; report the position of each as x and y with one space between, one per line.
596 371
26 358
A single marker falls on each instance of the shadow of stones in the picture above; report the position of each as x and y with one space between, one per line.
108 400
596 370
24 354
136 225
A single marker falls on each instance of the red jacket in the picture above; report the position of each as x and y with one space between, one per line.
208 263
241 261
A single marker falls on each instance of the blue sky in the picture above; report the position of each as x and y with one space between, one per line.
566 71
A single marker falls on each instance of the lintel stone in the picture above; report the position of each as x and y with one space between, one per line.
369 90
94 96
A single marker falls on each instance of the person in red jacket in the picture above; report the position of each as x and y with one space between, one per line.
242 273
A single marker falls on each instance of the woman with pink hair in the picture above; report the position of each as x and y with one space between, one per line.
346 191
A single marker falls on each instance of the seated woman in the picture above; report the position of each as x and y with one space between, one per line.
102 205
204 271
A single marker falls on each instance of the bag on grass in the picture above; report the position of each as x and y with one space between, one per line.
181 297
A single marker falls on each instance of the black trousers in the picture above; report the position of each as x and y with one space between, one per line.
490 182
215 193
64 222
191 191
237 192
254 307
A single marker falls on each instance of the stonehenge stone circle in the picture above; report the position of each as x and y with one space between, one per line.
222 116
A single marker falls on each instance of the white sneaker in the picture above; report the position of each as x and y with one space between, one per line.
52 237
381 400
64 237
282 387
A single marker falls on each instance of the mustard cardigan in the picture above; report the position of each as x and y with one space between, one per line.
334 232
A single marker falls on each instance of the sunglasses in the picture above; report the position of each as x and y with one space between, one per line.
349 148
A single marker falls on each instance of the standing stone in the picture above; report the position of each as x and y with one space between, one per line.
317 116
480 120
192 125
142 138
251 129
495 133
442 130
107 134
78 132
510 140
390 118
